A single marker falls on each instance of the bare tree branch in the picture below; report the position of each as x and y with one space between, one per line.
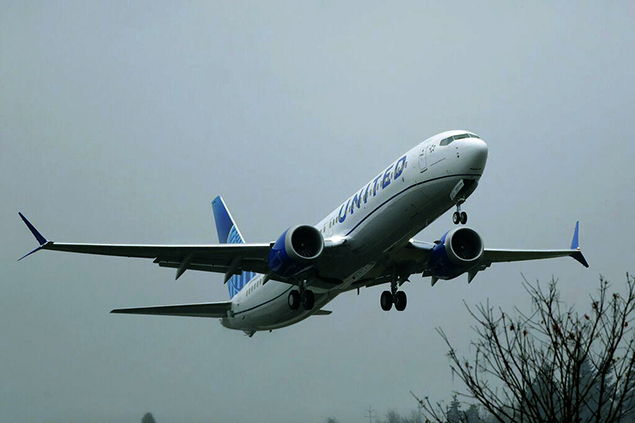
552 364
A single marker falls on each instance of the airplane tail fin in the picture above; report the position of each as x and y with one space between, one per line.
228 233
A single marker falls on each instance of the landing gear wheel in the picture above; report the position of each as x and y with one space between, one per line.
385 300
294 300
307 299
459 216
401 300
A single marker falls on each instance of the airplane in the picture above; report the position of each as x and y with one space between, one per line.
366 241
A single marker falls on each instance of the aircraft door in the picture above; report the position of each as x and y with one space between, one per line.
423 163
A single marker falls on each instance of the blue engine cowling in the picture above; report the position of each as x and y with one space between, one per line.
458 251
296 250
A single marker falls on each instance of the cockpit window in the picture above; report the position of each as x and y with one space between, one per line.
446 141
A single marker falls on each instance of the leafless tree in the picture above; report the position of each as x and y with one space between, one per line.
552 364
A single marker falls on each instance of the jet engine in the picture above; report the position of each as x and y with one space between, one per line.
458 251
296 250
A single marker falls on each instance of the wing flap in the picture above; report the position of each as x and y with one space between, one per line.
206 264
214 310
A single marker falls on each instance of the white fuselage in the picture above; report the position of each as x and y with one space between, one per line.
373 223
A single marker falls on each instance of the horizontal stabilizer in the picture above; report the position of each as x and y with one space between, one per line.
217 310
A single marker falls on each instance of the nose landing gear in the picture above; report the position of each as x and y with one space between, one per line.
459 216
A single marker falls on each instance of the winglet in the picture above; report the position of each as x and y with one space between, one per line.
575 242
40 239
575 245
34 231
580 258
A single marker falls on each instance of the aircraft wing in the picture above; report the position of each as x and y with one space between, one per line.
222 258
217 310
415 255
420 251
496 255
500 255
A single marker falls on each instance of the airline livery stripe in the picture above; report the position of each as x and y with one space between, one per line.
401 192
261 304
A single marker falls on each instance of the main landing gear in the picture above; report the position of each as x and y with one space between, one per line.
459 216
394 296
304 297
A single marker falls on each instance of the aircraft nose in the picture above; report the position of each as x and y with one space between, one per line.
475 153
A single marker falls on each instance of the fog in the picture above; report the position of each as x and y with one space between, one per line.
120 121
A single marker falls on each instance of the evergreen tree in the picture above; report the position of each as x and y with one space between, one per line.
454 414
148 418
472 415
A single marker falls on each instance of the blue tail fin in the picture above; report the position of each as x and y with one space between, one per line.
228 233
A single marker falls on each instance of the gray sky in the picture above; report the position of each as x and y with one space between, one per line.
120 121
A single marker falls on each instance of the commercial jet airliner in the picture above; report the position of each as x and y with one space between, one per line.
365 241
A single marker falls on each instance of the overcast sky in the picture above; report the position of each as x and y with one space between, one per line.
120 121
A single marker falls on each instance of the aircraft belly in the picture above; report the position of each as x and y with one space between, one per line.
386 225
273 314
289 317
394 224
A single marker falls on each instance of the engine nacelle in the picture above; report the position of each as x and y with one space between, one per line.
459 250
296 250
